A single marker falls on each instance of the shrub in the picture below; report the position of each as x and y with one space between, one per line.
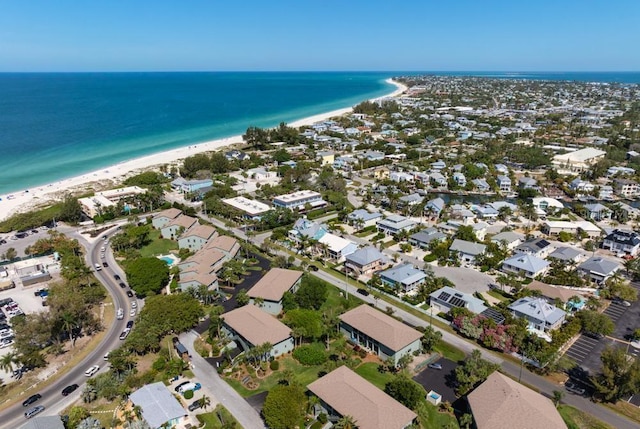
188 394
274 365
322 418
310 354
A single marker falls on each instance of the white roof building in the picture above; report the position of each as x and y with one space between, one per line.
252 208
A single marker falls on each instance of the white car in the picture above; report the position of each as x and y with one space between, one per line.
92 370
120 315
134 304
132 312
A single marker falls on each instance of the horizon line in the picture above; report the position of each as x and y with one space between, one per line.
311 71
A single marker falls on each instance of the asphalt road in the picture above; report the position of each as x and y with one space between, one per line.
52 397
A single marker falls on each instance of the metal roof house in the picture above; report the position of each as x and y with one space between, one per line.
394 224
598 269
525 265
366 261
158 405
467 250
405 277
541 315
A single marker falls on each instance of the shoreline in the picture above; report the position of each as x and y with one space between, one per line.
111 176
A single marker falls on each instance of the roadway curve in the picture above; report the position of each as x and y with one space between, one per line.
52 397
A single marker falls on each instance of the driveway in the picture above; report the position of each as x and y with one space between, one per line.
439 380
222 393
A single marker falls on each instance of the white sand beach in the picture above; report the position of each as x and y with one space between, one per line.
111 176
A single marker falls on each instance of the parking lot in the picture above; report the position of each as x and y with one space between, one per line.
439 380
28 302
197 395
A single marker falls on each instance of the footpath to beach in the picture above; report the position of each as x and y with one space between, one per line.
31 198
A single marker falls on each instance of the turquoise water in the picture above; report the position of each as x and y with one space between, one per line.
59 125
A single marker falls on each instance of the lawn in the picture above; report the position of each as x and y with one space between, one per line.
450 352
158 245
370 372
626 409
576 419
497 295
430 417
211 420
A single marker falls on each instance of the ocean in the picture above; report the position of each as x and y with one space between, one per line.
59 125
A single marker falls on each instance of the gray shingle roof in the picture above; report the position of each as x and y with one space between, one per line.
467 247
599 265
527 263
157 403
365 256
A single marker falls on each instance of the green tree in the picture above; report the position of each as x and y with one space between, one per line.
284 406
557 397
312 293
305 323
70 211
346 422
619 376
147 275
473 371
431 339
406 391
242 298
76 415
596 323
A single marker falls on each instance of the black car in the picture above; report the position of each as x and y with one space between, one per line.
313 268
69 389
130 324
130 294
117 277
363 292
122 285
31 399
195 405
104 264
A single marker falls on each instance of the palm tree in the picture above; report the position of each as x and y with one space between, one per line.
205 402
8 361
346 422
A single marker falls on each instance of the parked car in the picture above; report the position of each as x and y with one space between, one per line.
122 285
574 388
134 304
117 277
130 324
124 334
130 294
189 386
34 411
195 405
363 292
69 389
435 366
104 264
179 386
120 315
31 399
132 312
92 370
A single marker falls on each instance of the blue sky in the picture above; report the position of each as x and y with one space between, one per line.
558 35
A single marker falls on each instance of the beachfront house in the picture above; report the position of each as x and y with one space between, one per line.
379 333
267 293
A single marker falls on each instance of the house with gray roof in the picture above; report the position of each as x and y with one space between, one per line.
509 239
446 298
404 277
395 224
411 199
438 180
425 237
541 315
159 407
43 422
466 250
361 218
566 254
481 185
527 183
435 206
538 247
597 212
485 212
598 269
460 179
525 265
504 183
366 261
501 168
